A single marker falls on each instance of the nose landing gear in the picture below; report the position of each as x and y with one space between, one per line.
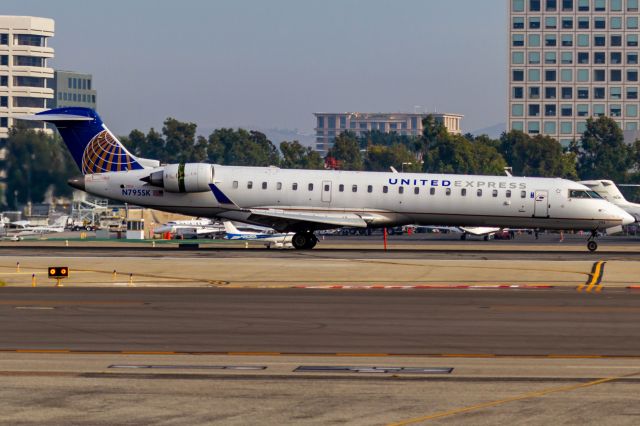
591 242
304 240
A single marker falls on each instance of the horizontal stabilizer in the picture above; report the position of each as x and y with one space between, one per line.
52 118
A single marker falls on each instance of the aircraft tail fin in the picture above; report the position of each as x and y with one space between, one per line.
61 221
230 228
607 189
93 147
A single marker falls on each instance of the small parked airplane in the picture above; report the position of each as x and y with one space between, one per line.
305 201
270 239
17 230
198 228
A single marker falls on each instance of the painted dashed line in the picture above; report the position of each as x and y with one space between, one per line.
424 287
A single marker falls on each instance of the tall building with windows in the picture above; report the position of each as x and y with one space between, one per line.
24 74
73 89
330 125
571 60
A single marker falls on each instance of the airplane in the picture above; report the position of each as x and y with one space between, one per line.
270 239
305 201
197 227
610 192
15 231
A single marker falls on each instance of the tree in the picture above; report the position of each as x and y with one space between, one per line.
380 157
489 161
180 140
376 137
36 163
346 150
240 148
297 156
536 156
432 131
601 151
450 154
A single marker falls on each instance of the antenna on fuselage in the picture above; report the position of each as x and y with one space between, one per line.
508 171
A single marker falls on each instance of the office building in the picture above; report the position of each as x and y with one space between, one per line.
571 60
24 74
330 125
73 89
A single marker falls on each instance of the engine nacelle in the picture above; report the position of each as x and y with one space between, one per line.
189 177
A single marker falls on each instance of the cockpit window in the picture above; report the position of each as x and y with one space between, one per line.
581 193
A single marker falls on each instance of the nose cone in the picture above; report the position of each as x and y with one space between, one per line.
627 219
77 183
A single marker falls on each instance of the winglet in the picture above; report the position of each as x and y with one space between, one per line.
220 196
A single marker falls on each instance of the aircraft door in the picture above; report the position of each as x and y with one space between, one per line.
541 204
326 191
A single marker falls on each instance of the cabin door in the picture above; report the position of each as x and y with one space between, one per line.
326 191
541 204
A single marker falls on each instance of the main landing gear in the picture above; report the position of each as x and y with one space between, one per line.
304 240
591 242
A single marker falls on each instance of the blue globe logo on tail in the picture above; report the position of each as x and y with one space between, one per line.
105 154
93 147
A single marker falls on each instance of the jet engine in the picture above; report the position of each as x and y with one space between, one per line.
189 177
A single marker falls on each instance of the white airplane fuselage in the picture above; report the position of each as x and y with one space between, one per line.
380 199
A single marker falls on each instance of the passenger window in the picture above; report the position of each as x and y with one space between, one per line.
235 184
447 191
463 192
416 190
310 187
264 185
341 188
400 189
385 189
432 191
249 185
508 193
370 188
279 186
354 188
294 186
495 192
479 192
326 188
523 194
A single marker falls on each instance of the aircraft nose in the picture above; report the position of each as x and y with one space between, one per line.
627 219
77 183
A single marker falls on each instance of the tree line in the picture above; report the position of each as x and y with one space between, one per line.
37 163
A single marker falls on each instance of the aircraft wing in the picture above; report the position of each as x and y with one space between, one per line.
284 220
281 220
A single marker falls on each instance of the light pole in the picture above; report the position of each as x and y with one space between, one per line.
402 168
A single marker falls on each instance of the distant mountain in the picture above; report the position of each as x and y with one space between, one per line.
493 131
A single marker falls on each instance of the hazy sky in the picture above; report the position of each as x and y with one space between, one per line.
272 63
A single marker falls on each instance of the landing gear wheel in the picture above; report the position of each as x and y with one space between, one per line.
304 240
592 246
312 242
